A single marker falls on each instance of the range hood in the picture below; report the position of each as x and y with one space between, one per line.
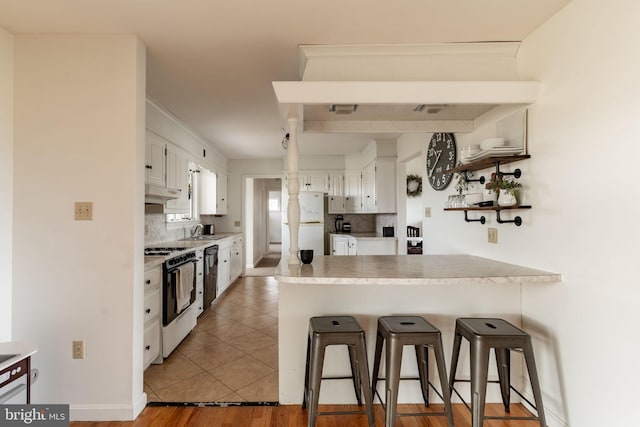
154 194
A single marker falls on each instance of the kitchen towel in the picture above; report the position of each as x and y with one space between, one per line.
184 286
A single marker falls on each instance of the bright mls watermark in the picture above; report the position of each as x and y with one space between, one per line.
34 415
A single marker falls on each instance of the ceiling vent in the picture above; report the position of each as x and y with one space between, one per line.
343 108
429 109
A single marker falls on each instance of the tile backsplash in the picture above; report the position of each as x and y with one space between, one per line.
156 230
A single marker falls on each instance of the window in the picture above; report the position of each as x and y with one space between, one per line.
274 201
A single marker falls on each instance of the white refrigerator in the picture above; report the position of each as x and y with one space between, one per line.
311 232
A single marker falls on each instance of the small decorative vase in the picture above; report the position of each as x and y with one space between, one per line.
507 198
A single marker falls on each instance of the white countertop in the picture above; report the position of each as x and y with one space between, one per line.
151 262
409 270
371 235
21 349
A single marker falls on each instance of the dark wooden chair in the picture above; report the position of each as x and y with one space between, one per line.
414 245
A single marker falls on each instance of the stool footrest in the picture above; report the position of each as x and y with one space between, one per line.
341 412
337 378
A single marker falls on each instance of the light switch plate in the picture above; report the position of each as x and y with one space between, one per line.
427 212
84 211
492 236
236 223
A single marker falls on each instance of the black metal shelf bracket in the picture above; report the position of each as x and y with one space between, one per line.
517 220
516 173
481 220
466 178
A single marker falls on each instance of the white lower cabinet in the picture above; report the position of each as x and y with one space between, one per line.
224 266
152 316
236 258
343 245
199 283
151 344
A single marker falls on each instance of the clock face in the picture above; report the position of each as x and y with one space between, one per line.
441 156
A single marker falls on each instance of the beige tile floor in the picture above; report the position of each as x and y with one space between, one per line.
230 356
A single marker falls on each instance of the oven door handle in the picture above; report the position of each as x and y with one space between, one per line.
173 272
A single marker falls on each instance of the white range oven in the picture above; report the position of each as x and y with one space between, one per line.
179 312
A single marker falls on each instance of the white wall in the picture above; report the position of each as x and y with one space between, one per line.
79 136
584 135
415 212
584 138
238 169
6 182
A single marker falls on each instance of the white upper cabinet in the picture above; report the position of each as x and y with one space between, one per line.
207 192
177 176
155 162
212 192
353 191
336 184
318 182
379 186
221 198
369 188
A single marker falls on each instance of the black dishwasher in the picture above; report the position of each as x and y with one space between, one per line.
210 274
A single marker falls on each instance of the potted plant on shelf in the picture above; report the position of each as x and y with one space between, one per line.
507 190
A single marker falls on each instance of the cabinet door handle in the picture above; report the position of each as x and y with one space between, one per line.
148 282
148 348
148 166
148 310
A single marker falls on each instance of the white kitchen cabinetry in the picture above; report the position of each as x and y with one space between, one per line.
315 181
207 192
177 176
224 266
336 193
369 188
336 205
353 191
154 160
236 258
379 186
336 184
199 282
385 185
152 312
343 245
221 199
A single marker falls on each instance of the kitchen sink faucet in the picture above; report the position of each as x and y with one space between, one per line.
194 230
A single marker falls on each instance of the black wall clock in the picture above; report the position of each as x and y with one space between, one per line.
441 156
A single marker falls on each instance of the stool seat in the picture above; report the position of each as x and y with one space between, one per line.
396 332
334 325
336 330
484 334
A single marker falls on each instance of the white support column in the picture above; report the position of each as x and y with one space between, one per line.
293 209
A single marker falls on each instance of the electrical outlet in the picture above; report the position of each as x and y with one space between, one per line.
493 235
236 223
78 349
83 211
427 212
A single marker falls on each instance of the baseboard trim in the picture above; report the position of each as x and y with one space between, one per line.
220 404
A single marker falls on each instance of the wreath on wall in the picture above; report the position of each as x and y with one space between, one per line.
414 185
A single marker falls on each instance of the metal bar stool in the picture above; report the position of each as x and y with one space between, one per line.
336 330
398 331
484 334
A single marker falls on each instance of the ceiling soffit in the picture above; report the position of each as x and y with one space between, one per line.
389 83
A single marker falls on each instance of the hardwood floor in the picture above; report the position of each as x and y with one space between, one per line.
294 416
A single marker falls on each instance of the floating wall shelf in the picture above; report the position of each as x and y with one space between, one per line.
486 163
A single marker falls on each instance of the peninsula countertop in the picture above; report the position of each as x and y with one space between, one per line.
409 270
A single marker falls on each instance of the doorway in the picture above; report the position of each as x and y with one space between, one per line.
263 224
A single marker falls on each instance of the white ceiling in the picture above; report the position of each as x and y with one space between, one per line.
211 63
